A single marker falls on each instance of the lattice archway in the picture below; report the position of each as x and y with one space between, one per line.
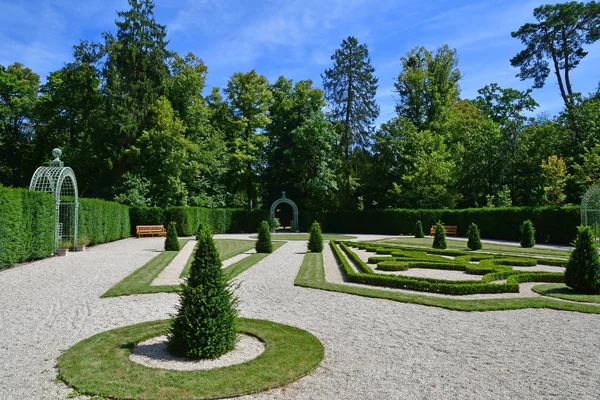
283 199
60 181
590 209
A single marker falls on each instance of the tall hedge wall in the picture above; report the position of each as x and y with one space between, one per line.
103 221
26 226
552 224
221 220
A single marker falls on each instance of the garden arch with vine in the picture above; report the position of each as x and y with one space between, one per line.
590 209
285 200
60 181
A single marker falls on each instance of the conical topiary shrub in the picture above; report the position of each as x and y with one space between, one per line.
264 244
419 230
474 242
527 234
171 241
315 240
583 268
206 322
439 237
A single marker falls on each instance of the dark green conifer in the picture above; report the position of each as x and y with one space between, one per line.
583 268
439 237
419 230
205 326
264 244
171 241
527 234
474 242
315 240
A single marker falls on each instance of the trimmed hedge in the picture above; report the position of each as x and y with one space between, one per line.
103 221
26 226
220 220
553 224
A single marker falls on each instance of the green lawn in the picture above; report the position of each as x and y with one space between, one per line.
562 291
312 275
100 365
138 282
304 236
487 247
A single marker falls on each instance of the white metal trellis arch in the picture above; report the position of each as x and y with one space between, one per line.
61 182
590 209
283 199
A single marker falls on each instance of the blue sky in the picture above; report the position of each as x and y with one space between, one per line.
296 38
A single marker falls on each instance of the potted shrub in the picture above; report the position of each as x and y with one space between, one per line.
82 241
63 247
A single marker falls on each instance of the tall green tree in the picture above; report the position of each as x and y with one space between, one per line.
427 85
249 98
555 43
505 106
350 88
18 99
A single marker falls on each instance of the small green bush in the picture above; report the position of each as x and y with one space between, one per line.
474 242
439 237
205 326
65 244
527 234
172 242
263 243
419 230
315 240
583 268
83 240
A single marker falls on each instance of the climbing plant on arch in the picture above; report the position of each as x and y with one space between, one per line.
285 200
60 181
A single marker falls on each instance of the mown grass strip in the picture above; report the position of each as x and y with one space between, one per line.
100 365
139 282
304 236
227 248
312 275
562 291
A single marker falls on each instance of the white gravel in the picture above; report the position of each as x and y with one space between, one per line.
374 349
170 275
153 353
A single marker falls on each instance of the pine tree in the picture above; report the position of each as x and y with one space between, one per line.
315 240
350 88
171 241
419 230
527 234
206 322
583 268
264 244
439 237
474 242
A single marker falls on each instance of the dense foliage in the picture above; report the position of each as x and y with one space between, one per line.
137 128
171 241
103 221
474 241
315 240
439 237
206 322
419 230
583 268
263 243
527 234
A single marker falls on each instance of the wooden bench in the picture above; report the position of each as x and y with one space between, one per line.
450 230
150 230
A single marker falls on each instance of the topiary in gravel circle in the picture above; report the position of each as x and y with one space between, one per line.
100 365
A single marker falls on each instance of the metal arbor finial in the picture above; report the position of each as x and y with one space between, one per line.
56 153
283 194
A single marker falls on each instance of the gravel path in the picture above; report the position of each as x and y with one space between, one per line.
374 349
170 275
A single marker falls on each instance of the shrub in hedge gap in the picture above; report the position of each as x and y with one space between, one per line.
527 234
583 268
205 326
263 243
315 240
439 237
419 230
474 242
171 241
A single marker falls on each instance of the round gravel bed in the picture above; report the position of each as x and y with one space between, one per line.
101 365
